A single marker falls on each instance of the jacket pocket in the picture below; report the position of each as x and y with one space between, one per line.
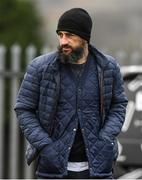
49 160
105 152
31 153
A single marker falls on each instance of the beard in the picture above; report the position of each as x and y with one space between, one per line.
73 57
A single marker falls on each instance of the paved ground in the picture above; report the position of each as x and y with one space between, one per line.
135 174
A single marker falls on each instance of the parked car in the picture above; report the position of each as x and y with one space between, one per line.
130 139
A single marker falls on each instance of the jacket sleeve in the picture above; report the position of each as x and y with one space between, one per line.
26 107
114 120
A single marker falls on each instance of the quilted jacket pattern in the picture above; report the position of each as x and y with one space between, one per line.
36 106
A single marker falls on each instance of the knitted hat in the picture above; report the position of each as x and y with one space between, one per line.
76 21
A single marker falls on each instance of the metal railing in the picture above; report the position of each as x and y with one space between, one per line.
12 142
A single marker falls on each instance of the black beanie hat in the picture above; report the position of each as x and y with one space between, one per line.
76 21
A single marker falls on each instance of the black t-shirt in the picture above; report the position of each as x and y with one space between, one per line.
77 69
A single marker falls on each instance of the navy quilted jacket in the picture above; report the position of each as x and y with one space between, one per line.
36 106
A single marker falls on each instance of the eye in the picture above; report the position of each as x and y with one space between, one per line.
60 34
69 35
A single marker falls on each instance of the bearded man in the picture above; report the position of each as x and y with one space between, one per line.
71 105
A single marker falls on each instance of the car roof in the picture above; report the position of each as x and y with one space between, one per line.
132 69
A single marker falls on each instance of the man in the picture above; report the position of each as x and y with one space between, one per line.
71 105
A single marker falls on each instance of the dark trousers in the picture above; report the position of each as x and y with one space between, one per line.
72 175
78 175
82 175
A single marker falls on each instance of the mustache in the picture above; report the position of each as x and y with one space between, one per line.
60 48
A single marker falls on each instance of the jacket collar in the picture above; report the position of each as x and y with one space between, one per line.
101 58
